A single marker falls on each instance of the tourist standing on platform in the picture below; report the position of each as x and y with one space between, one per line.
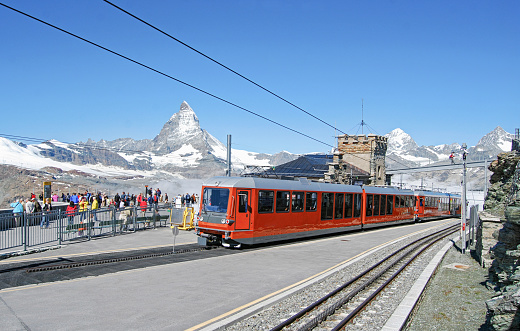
74 198
47 207
83 207
126 215
37 206
187 199
70 212
117 199
166 197
95 205
17 212
143 207
150 202
29 207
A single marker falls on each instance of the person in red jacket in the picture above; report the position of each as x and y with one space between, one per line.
70 212
143 206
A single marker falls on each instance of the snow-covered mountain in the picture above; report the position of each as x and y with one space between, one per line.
182 148
402 149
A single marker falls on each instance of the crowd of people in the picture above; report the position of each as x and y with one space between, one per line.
81 202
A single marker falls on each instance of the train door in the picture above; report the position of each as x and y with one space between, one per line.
420 205
243 212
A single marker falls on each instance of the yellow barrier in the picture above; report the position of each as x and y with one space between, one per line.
188 217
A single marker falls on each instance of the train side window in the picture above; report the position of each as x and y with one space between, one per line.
311 201
283 200
370 204
297 201
265 201
242 202
357 205
327 206
376 205
338 209
382 211
390 205
348 205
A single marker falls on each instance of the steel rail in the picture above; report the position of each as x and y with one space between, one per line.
331 309
374 294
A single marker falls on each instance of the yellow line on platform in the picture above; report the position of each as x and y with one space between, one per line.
268 296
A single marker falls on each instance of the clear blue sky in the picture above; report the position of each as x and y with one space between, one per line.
443 71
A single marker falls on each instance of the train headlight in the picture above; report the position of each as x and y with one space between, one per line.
229 222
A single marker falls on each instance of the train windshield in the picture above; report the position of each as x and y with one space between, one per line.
215 200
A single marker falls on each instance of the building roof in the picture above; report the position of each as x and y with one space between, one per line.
310 166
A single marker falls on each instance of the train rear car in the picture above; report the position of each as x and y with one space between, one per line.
435 205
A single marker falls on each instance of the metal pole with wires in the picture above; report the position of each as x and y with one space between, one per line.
463 206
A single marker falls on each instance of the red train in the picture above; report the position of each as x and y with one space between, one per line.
237 211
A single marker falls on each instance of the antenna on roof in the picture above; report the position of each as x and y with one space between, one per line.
362 115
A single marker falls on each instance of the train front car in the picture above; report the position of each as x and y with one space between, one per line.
238 211
435 205
219 218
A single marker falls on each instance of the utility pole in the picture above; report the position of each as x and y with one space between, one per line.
228 171
463 206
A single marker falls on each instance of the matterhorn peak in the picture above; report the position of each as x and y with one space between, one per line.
185 107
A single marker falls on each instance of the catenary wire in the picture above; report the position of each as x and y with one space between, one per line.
220 64
166 75
175 79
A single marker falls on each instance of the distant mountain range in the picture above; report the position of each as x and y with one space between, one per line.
402 149
184 150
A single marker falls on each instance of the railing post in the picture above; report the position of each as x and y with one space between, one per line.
60 230
23 229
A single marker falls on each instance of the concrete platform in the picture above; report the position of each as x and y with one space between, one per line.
189 295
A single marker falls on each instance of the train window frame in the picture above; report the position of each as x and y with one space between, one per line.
370 205
349 206
283 196
358 205
212 197
297 205
243 204
390 205
382 204
327 212
339 206
311 201
261 203
376 201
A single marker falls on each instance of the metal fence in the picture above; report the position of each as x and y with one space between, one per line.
25 230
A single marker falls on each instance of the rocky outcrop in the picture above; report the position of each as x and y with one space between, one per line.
503 169
503 310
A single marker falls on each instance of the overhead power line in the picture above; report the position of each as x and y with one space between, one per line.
168 76
165 75
220 64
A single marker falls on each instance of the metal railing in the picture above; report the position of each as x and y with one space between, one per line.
38 230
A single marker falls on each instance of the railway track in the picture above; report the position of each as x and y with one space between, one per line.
358 300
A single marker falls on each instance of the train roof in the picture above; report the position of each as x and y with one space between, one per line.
436 194
386 190
302 184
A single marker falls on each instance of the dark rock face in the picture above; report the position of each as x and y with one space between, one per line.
503 310
503 169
